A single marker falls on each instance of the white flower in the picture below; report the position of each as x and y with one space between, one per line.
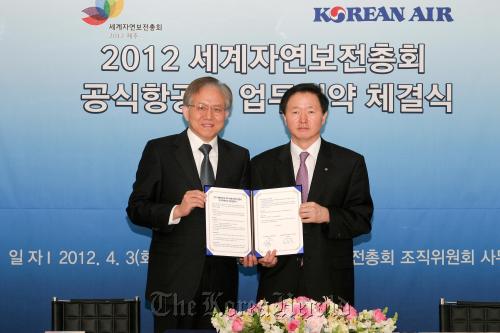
267 319
337 326
221 323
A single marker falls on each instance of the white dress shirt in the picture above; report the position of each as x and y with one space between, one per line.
195 142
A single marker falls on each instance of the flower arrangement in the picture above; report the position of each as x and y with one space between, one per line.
303 315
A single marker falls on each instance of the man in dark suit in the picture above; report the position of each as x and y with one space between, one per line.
336 203
183 284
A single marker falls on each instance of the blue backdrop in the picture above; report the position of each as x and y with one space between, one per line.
413 87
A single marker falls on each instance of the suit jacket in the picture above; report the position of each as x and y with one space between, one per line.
340 183
177 252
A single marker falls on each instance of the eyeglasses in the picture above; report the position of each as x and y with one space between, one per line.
203 108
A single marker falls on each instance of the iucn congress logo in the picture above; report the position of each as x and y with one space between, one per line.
338 14
103 10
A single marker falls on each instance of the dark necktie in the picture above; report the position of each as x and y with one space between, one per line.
303 176
206 171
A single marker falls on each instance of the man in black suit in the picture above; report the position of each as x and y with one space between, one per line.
336 207
183 284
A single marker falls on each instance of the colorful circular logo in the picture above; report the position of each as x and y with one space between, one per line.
103 10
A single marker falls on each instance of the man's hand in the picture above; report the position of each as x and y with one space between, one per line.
269 260
311 212
190 200
249 261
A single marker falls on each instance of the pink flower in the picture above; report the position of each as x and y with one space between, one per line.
349 311
292 325
378 315
315 324
231 313
280 306
253 309
321 308
302 310
287 310
237 325
301 299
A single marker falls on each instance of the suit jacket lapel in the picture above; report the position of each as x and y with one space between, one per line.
223 163
185 158
284 167
322 170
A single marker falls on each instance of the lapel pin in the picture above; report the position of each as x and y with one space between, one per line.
326 169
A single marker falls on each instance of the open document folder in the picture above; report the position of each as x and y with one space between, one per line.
241 222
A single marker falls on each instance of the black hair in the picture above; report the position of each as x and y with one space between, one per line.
305 88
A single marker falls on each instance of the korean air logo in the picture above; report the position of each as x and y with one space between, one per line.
337 14
103 10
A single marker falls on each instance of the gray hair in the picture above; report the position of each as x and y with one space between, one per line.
195 86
